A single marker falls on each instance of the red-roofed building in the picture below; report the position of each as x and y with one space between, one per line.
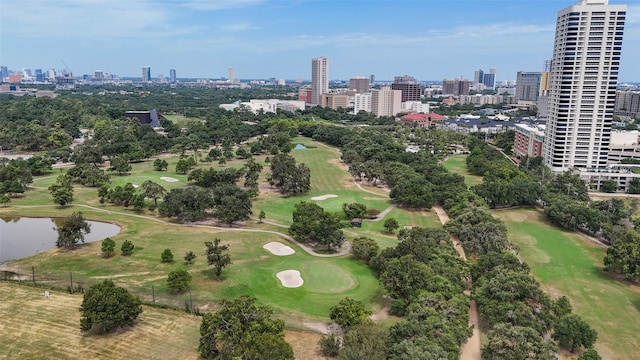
416 120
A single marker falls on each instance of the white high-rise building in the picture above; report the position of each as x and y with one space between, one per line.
319 78
362 102
231 77
582 92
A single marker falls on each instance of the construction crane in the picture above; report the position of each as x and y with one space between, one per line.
69 70
66 81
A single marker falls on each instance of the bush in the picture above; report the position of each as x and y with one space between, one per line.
364 249
189 257
108 247
373 213
166 256
127 248
179 280
329 345
397 307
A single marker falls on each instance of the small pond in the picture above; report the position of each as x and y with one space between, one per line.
299 147
21 237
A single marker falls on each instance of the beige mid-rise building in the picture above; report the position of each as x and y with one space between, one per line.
386 102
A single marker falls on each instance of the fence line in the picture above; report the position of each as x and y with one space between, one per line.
76 283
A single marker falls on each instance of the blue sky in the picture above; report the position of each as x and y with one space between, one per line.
428 39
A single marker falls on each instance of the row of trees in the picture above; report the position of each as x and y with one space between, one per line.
424 278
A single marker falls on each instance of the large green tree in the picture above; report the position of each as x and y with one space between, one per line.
242 330
217 255
572 333
72 230
365 341
508 342
188 203
349 312
62 190
290 178
106 307
153 191
312 224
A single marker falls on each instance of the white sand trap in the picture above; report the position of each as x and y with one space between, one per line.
324 197
279 249
290 278
169 179
135 186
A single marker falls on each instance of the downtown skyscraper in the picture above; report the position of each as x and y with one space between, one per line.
584 76
319 78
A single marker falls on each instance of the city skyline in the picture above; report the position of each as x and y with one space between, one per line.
263 39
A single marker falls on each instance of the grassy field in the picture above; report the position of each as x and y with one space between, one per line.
568 264
457 164
328 176
33 327
253 272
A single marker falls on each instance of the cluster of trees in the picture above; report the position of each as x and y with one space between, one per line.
36 124
227 203
424 278
478 231
289 177
240 329
17 174
521 315
312 224
108 247
421 274
503 183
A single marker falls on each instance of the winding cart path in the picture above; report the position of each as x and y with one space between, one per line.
471 349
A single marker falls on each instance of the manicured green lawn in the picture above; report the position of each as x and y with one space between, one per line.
458 165
568 264
326 280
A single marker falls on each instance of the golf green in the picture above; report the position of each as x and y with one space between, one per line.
323 277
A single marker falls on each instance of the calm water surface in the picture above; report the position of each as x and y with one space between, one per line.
22 237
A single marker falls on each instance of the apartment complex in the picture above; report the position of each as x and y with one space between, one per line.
334 101
386 102
528 86
528 140
319 78
584 74
410 88
359 84
627 104
455 87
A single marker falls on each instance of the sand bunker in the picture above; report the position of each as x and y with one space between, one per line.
279 249
135 186
290 278
324 197
169 179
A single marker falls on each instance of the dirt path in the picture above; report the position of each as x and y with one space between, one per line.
384 213
471 349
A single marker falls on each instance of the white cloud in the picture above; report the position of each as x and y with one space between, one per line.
70 19
212 5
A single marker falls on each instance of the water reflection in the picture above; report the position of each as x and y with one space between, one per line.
21 237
